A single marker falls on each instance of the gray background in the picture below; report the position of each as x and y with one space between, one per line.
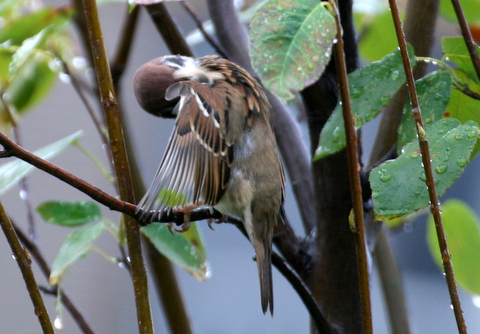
229 301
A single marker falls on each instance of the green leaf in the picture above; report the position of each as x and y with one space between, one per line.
461 226
398 186
69 213
18 29
433 95
463 107
471 9
371 88
77 245
185 249
173 198
379 38
454 49
290 44
12 172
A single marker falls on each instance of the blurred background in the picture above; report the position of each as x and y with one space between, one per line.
229 301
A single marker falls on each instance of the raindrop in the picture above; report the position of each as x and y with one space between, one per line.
422 176
407 227
335 41
121 264
440 169
395 75
384 175
14 257
414 155
58 323
23 194
375 194
472 134
438 96
65 78
476 300
356 91
336 134
458 136
447 153
462 161
79 62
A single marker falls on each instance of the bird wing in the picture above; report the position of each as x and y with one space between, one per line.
196 164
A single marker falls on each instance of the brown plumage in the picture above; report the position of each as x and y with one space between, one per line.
222 153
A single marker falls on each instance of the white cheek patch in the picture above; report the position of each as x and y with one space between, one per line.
192 70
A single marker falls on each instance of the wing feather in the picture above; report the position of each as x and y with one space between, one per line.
196 164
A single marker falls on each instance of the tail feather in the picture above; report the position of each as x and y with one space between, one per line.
263 250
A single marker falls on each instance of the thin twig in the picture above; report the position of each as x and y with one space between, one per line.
24 190
124 182
42 263
168 29
27 273
199 24
354 175
96 193
465 90
78 88
122 54
467 36
304 292
391 285
427 165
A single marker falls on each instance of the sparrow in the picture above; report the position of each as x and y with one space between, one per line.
222 152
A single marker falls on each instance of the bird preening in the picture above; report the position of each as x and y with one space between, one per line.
222 152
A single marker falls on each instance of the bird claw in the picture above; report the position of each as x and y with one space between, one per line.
211 221
185 210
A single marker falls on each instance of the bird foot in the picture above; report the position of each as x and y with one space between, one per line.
211 221
185 210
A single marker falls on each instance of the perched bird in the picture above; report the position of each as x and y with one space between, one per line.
222 152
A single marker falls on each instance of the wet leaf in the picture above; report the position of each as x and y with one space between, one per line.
471 9
185 249
371 88
290 44
433 95
461 226
12 172
454 49
69 213
77 245
463 107
17 29
398 186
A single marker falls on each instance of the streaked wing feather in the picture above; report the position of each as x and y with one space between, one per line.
197 160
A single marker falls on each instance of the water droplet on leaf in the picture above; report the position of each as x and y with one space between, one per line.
384 175
395 75
462 161
440 169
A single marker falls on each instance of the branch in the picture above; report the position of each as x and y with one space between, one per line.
122 169
199 24
467 36
354 176
120 60
27 273
168 29
427 165
42 263
304 292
